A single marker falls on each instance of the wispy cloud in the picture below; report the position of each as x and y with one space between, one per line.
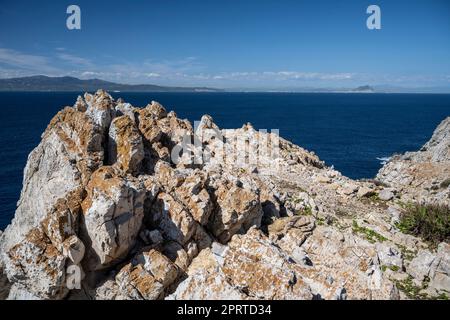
74 60
295 75
187 71
188 64
280 76
167 71
23 61
152 75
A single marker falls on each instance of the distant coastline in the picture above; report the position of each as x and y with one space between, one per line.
41 83
72 84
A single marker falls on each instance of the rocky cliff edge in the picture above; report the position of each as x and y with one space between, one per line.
120 202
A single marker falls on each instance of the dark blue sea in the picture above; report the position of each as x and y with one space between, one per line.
350 131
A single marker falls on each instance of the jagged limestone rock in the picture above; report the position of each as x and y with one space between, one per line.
414 173
242 214
125 147
237 208
113 212
250 267
146 276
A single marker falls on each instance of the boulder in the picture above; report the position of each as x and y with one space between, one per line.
365 192
440 271
136 283
113 212
194 195
386 195
389 256
420 266
172 219
237 209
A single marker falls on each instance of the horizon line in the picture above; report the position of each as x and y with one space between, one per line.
382 88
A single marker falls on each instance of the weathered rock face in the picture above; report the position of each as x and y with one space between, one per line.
237 208
126 149
249 267
113 212
120 202
146 276
54 178
437 149
424 175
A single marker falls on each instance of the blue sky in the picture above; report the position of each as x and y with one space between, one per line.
230 44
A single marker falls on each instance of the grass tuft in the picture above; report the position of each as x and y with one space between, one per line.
369 234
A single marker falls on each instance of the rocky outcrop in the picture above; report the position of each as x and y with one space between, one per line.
422 176
120 202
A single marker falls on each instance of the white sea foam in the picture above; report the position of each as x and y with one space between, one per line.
384 160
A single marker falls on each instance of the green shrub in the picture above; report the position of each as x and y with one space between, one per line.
430 222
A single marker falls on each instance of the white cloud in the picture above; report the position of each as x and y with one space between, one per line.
153 75
296 75
89 74
187 71
276 76
74 60
37 63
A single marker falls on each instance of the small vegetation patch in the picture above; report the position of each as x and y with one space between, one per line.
393 268
442 296
320 221
406 253
430 222
370 235
374 199
306 211
412 291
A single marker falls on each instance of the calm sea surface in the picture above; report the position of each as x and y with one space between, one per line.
350 131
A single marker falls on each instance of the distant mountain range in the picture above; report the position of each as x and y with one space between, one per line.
44 83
